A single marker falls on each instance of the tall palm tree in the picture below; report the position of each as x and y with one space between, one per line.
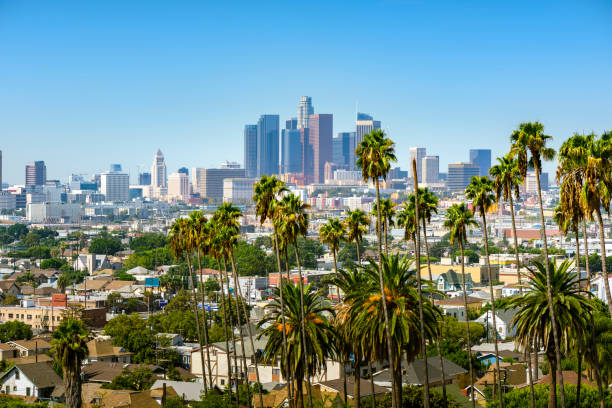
356 224
333 234
318 344
401 292
265 196
387 212
528 145
228 217
181 244
458 220
69 347
480 191
63 282
507 180
293 224
533 320
199 236
375 154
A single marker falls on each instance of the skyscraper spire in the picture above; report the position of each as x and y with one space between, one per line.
304 110
158 171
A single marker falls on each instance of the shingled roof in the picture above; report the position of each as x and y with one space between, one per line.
41 374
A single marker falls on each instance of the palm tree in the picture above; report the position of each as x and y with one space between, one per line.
228 217
533 320
506 180
69 347
528 145
199 235
318 344
333 234
30 279
293 224
181 244
387 212
458 220
63 282
480 191
266 191
375 154
356 224
401 292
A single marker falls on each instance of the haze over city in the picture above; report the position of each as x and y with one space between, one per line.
87 84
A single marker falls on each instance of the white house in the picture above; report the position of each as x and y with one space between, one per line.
503 319
598 287
36 379
91 262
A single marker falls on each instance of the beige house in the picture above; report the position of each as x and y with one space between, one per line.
103 350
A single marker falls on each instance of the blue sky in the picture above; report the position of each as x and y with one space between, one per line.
86 84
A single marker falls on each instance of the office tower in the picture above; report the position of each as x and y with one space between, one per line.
320 135
481 158
144 179
342 147
365 124
184 170
417 153
158 171
531 183
430 169
397 173
115 167
291 148
304 111
250 150
209 182
307 160
115 186
238 190
178 186
267 145
460 175
36 173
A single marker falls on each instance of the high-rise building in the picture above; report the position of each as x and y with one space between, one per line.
291 148
531 183
0 170
238 190
178 186
36 173
115 186
115 167
184 170
417 153
342 144
144 179
267 145
430 169
460 175
305 109
209 182
158 171
320 135
365 124
250 150
481 158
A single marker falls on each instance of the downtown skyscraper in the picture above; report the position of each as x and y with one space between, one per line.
417 153
305 109
35 173
291 147
250 150
320 145
158 171
365 124
482 159
267 145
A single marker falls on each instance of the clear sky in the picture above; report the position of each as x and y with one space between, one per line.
84 84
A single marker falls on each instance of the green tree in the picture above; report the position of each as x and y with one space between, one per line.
318 343
333 234
148 241
32 239
53 263
132 333
17 231
14 330
69 346
105 245
375 154
356 224
138 379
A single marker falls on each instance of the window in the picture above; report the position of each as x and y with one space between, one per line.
14 388
8 389
222 382
29 317
17 374
10 315
276 371
28 391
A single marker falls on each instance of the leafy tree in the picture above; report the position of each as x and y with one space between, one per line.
309 250
412 397
138 379
32 239
347 256
15 330
519 397
52 263
151 258
17 231
114 301
105 244
252 260
122 275
132 333
148 241
10 299
6 401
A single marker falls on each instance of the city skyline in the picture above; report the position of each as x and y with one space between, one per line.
463 84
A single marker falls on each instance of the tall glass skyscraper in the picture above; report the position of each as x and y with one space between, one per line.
320 135
250 150
342 147
267 145
481 158
305 109
291 148
365 124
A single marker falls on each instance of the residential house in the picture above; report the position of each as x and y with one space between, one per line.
103 350
9 286
153 398
189 391
91 262
104 372
598 287
451 281
32 347
414 373
503 318
455 306
7 351
34 379
335 389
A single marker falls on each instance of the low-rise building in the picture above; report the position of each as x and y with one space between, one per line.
34 379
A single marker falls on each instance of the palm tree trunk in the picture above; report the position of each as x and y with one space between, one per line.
549 290
303 326
357 376
228 330
344 361
249 330
592 340
552 391
445 402
204 315
579 351
395 402
604 268
358 253
467 325
197 319
386 237
372 399
420 291
579 381
486 241
72 384
518 277
280 286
